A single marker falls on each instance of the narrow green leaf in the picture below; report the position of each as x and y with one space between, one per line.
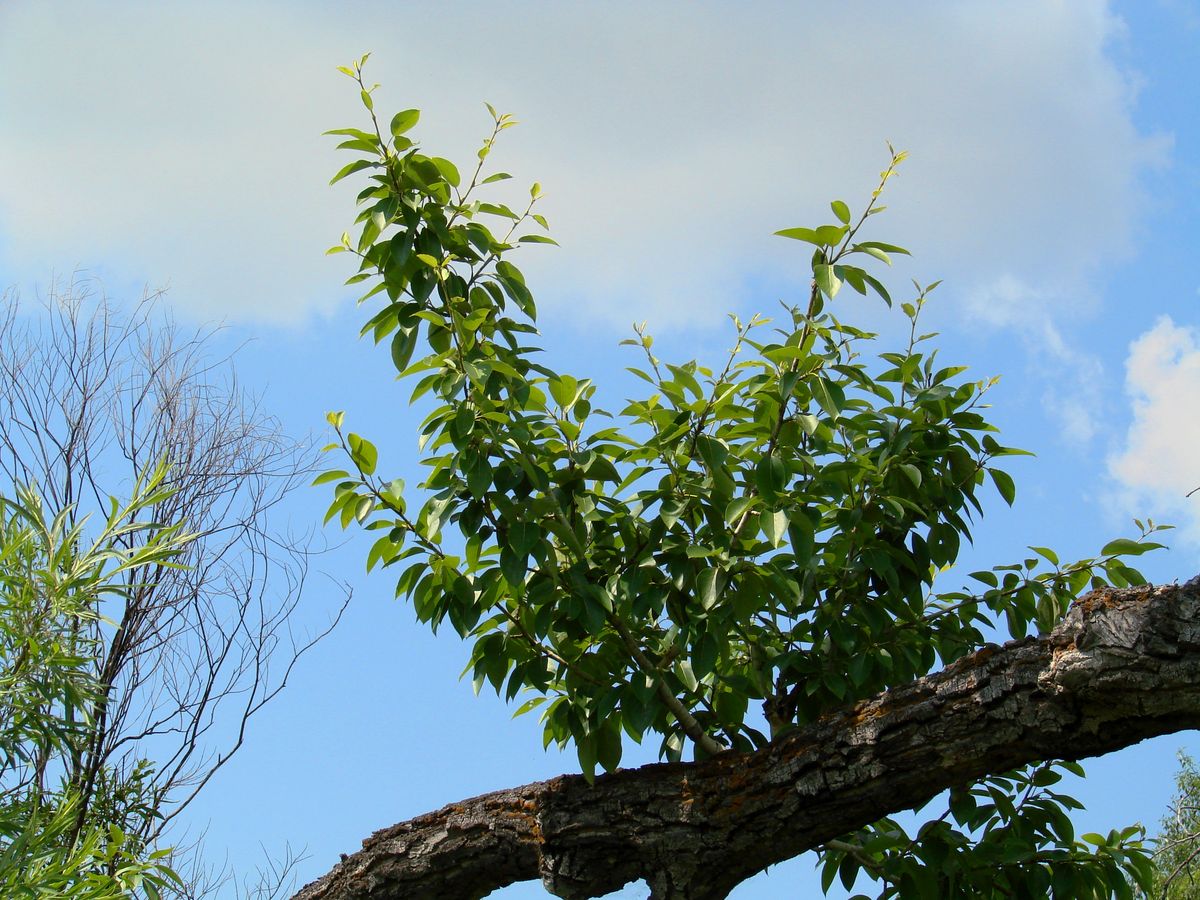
357 166
706 587
872 251
800 234
890 248
333 475
825 236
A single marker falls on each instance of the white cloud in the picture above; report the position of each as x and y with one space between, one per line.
179 141
1160 460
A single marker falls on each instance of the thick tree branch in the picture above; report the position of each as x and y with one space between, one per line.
1122 667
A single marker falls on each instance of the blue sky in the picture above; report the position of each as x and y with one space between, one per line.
1053 183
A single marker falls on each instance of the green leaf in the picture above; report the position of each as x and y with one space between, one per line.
878 287
841 210
333 475
803 537
403 344
448 171
826 280
809 423
831 235
356 133
363 453
564 389
770 476
683 670
887 248
404 120
363 508
774 526
357 166
1004 484
608 744
737 508
1127 547
479 473
872 251
528 706
855 276
825 236
707 587
585 747
829 396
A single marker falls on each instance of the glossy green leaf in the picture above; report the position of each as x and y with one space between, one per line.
1004 484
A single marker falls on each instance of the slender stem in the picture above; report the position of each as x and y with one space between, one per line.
687 721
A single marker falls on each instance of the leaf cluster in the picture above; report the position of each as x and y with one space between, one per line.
54 577
763 534
1009 835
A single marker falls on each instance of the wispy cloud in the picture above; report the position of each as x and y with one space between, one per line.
1074 397
671 138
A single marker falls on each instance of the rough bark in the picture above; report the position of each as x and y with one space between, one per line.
1122 667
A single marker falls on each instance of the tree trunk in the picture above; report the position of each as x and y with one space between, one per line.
1123 666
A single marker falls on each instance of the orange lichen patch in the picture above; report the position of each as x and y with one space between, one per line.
523 813
530 809
728 808
1107 597
866 711
528 823
722 798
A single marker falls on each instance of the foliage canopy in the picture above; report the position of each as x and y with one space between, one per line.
764 533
